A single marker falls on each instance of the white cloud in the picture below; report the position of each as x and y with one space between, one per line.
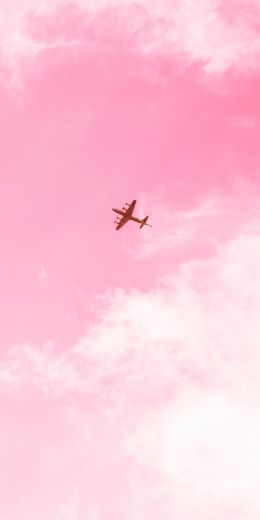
216 219
172 377
209 447
174 228
221 35
203 320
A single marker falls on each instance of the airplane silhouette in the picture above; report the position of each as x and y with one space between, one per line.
127 214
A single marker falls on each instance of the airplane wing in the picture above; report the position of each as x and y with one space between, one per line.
121 223
130 208
128 213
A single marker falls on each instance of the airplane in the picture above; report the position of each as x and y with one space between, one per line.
127 214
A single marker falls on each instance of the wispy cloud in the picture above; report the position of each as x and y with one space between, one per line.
203 228
219 35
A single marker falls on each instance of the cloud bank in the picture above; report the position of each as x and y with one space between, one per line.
160 399
219 35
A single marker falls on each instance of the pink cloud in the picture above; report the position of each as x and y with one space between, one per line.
129 372
161 394
220 35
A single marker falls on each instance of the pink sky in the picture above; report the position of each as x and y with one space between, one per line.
130 361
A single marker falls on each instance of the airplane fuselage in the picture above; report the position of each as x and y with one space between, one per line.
124 214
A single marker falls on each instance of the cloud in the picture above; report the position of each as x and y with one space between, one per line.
209 447
159 398
198 232
175 228
200 321
162 393
219 35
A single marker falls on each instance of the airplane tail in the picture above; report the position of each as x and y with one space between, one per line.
144 222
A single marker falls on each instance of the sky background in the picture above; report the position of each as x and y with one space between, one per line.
130 360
